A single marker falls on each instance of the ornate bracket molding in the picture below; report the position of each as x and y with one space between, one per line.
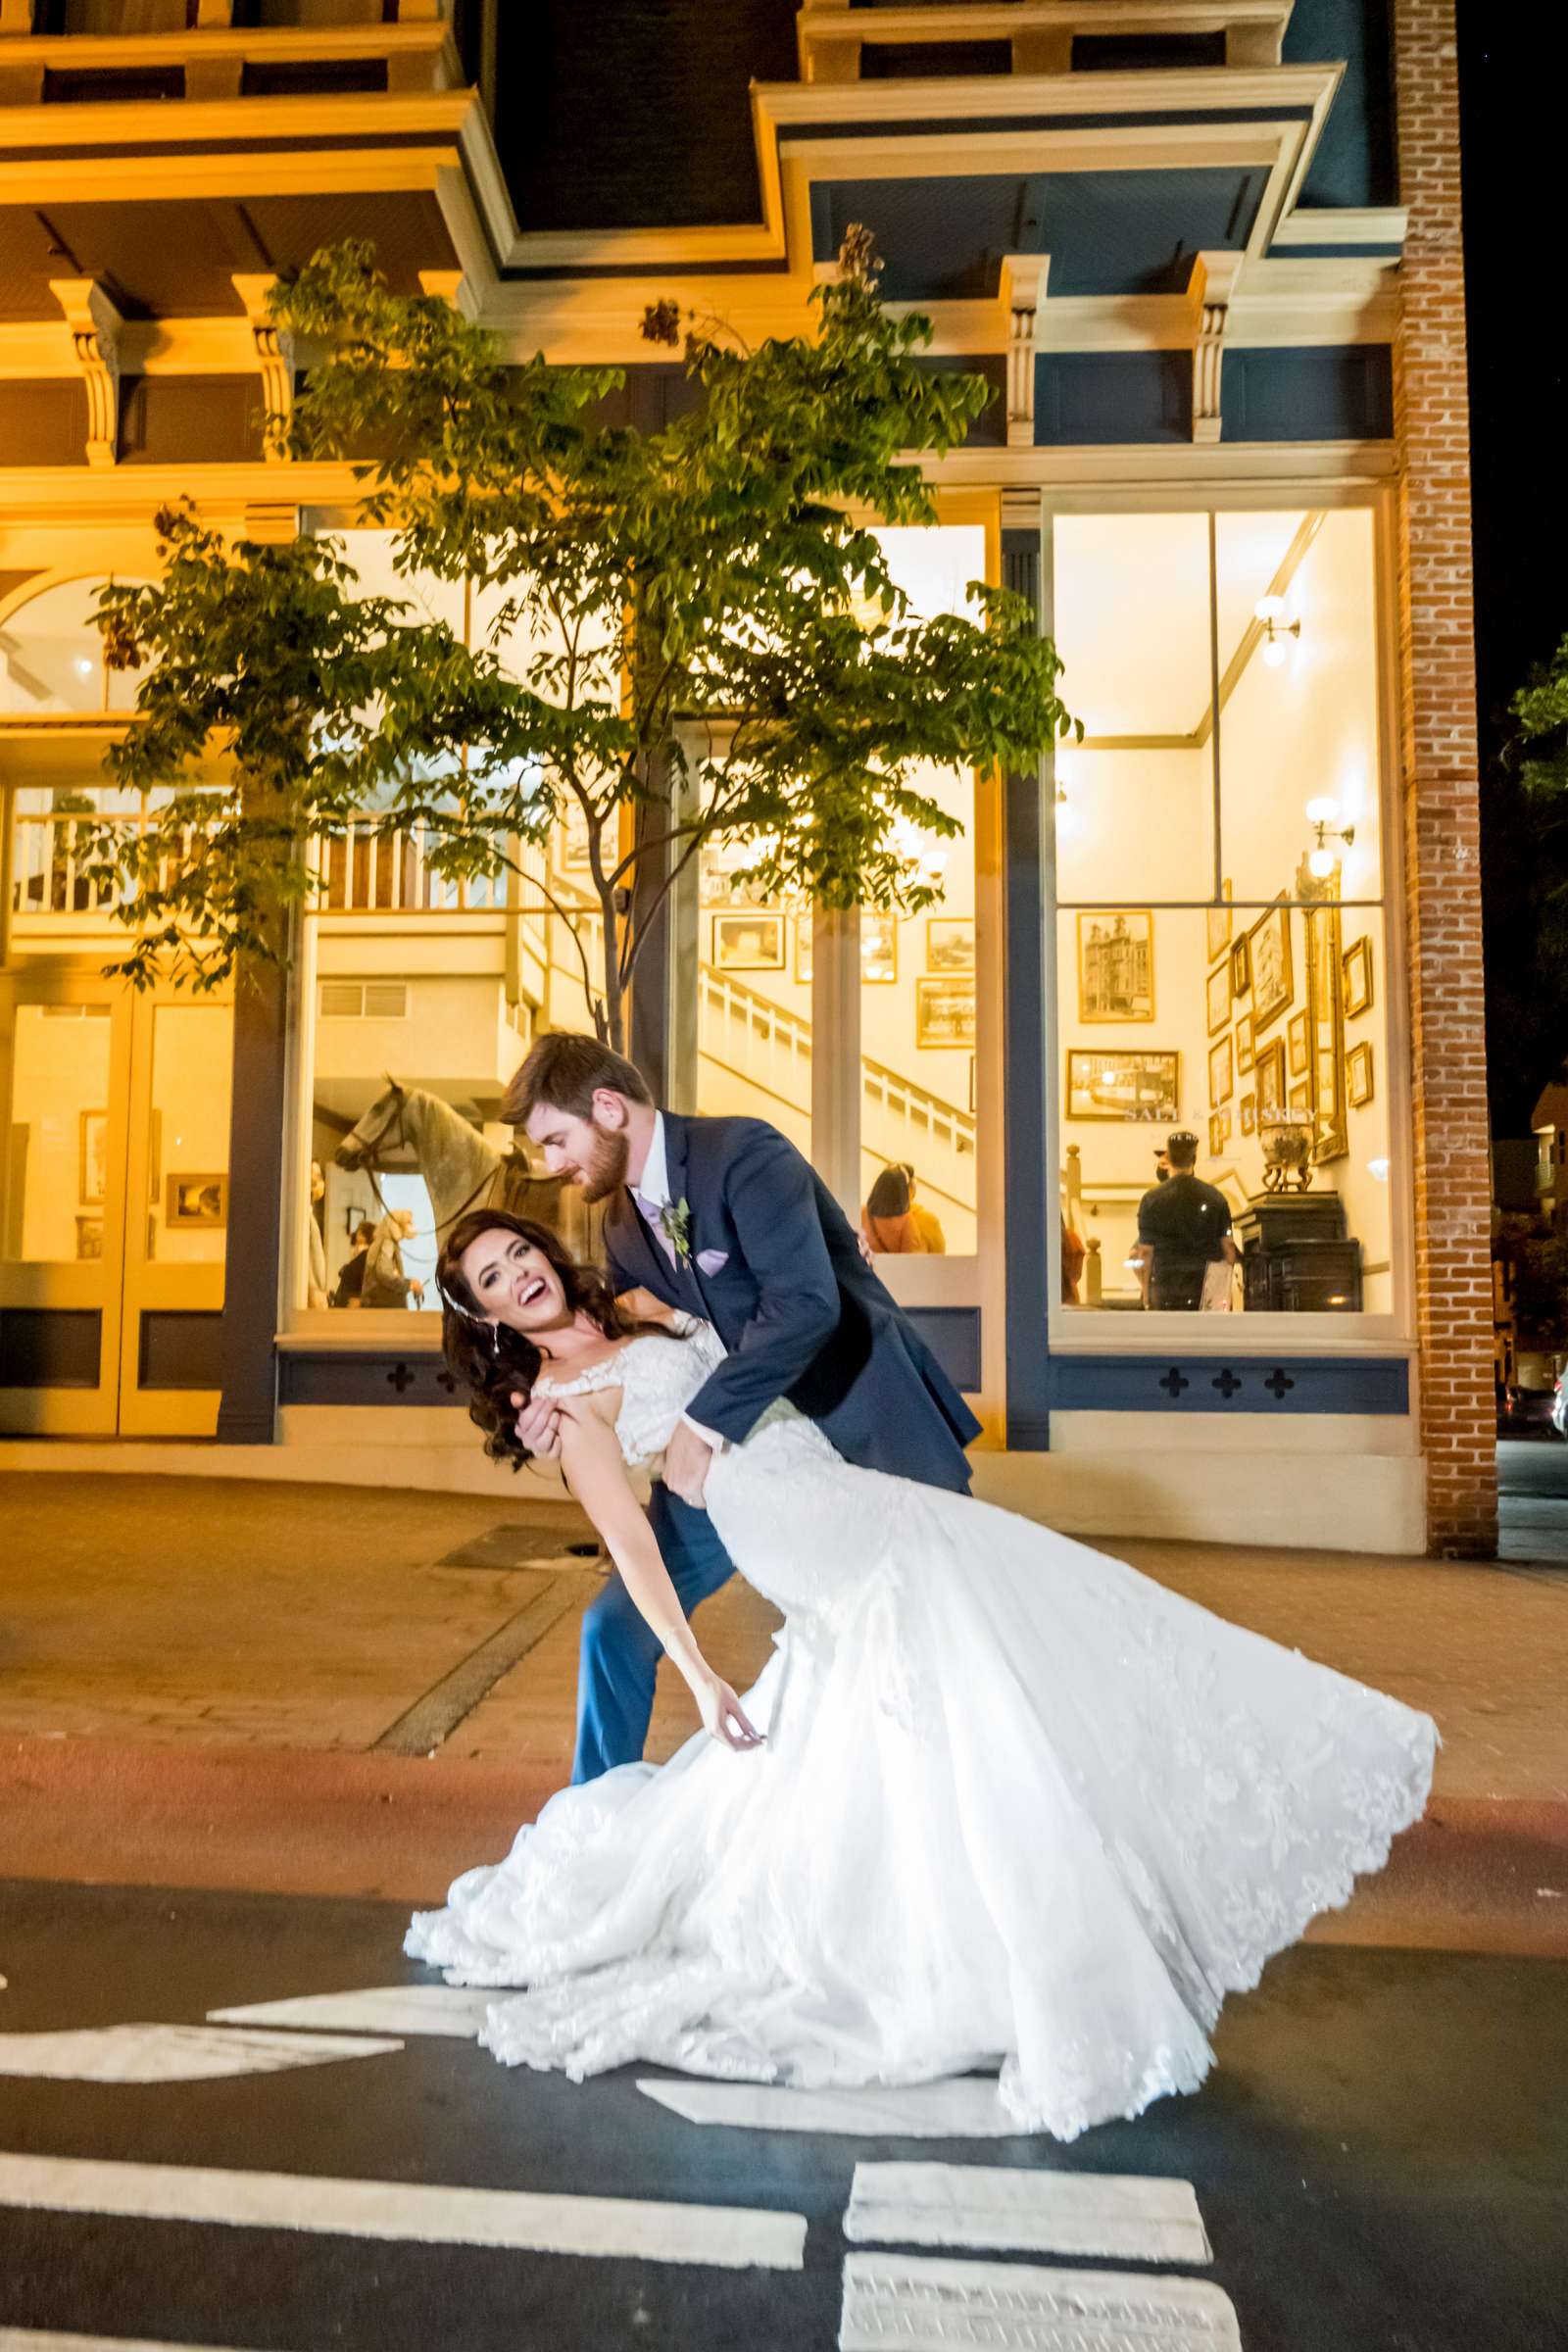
273 349
1210 290
94 326
1023 290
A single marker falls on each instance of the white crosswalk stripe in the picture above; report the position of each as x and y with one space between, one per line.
966 2107
923 2304
724 2237
1125 2218
457 2010
132 2053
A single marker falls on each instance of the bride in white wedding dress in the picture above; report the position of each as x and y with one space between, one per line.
997 1800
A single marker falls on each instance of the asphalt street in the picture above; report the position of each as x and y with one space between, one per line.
1377 2162
1533 1500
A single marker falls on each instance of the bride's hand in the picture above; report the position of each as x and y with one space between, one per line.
643 1307
723 1716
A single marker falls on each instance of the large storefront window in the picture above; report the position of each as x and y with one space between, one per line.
427 994
1222 957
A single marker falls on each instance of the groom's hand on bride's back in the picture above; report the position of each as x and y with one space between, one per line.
538 1426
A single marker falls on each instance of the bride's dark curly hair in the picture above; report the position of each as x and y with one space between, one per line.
493 1362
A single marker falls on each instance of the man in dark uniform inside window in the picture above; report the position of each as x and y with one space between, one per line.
1184 1227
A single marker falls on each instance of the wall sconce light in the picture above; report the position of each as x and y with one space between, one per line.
1322 815
1270 611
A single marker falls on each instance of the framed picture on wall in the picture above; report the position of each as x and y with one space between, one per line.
1245 1049
1219 996
1240 967
1116 966
943 1014
1134 1083
1356 962
1247 1111
1268 1078
196 1201
949 943
92 1173
1273 982
1221 1072
1219 1128
1299 1044
1301 1103
1358 1084
1218 922
879 949
749 943
89 1237
802 946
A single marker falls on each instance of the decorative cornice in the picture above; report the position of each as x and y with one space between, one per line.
1022 291
1209 292
94 327
273 347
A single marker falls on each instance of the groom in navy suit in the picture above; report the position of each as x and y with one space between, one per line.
724 1219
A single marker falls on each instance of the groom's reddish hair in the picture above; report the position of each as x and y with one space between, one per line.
564 1072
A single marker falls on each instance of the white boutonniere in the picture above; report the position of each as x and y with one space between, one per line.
675 1223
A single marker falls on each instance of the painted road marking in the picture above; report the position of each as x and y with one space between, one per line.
455 2009
924 2305
34 2339
1033 2212
724 2237
172 2053
964 2107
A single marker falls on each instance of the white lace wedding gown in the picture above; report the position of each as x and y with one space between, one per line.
1017 1805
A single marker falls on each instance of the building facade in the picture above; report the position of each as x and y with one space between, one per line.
1207 252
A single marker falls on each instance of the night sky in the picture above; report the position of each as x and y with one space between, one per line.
1514 72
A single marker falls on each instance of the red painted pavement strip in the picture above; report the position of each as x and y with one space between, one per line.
313 1820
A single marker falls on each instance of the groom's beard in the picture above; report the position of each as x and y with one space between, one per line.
605 1171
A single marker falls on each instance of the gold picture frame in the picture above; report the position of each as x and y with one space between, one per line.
89 1236
1268 1081
197 1203
1245 1044
752 941
949 944
945 1014
1128 1083
1269 956
1246 1114
1221 1072
1356 965
1218 923
1217 998
1116 965
1240 967
1220 1130
1359 1084
1296 1032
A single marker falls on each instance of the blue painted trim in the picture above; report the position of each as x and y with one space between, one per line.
1317 392
1025 1161
1241 1383
1085 398
1336 252
382 1378
953 1335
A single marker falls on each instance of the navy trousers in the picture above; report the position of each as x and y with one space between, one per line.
619 1662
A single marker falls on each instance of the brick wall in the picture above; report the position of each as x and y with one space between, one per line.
1440 780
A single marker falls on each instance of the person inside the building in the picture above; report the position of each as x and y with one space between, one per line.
889 1225
1184 1227
350 1291
926 1223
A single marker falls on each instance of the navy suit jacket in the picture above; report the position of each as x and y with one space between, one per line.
797 1307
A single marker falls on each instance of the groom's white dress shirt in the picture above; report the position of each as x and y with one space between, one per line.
652 1195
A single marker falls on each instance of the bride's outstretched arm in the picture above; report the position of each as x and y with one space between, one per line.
591 1458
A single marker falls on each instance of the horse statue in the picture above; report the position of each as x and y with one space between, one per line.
461 1170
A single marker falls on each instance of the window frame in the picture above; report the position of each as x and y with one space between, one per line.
1091 1331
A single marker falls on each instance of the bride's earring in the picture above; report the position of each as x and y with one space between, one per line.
495 1341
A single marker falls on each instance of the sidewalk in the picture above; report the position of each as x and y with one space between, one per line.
346 1689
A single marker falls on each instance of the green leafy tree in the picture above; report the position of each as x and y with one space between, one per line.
694 635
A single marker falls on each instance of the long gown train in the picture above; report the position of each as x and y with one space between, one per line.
1018 1806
